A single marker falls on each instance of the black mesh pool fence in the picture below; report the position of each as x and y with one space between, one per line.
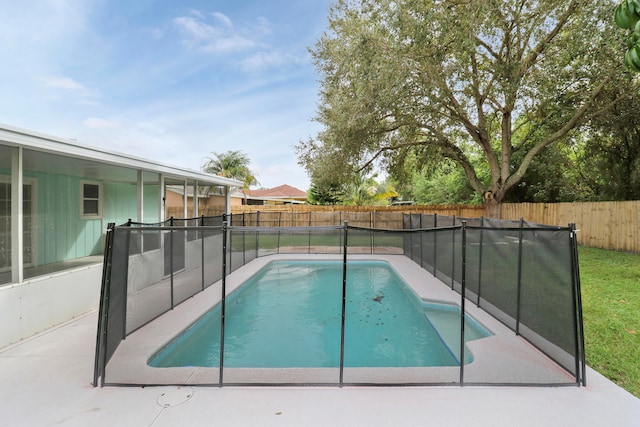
524 275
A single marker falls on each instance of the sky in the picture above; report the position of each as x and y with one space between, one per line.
165 80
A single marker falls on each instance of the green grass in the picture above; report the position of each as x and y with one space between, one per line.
611 304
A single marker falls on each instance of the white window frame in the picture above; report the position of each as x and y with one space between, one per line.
84 215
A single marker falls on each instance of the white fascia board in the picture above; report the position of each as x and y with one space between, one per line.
11 135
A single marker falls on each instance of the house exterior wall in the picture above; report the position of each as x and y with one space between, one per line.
60 232
35 305
60 228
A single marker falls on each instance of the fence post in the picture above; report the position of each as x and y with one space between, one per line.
371 233
480 260
101 338
171 258
309 235
577 309
519 283
257 234
421 235
344 301
201 235
453 253
278 247
244 238
435 243
222 302
463 279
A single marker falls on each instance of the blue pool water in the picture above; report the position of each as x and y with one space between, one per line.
289 315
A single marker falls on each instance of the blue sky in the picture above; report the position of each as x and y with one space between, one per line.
170 81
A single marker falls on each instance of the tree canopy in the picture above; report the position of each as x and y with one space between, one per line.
232 164
487 84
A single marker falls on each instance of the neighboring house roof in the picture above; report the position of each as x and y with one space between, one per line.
277 195
281 192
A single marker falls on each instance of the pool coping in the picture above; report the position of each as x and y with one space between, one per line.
502 358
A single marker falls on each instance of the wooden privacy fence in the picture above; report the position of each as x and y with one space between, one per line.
607 225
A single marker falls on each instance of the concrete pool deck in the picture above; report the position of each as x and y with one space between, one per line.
501 358
46 381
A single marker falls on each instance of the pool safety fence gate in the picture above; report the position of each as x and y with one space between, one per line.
524 275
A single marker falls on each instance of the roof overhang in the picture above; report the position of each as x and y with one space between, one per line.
18 137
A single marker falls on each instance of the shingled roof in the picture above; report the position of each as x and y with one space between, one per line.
280 192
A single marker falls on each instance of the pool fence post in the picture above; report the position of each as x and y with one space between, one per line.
201 234
453 253
126 278
462 298
373 234
435 243
257 234
309 235
421 243
480 260
101 341
222 301
171 258
278 248
577 309
344 301
519 283
244 238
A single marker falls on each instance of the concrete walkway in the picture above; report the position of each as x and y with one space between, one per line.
46 381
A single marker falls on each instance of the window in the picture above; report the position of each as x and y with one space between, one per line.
90 200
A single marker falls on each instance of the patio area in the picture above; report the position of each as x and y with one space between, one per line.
46 381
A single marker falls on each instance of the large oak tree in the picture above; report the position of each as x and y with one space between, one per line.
488 84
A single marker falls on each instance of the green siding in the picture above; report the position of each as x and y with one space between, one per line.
60 233
120 203
151 202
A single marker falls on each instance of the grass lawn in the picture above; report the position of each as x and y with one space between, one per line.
611 304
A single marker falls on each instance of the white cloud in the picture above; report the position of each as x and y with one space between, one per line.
263 60
208 38
100 124
264 26
218 37
66 85
224 19
156 33
60 82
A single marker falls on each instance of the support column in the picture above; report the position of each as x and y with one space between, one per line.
185 199
163 201
140 196
17 219
196 200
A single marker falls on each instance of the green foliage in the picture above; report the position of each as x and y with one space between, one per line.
609 160
627 17
330 194
447 185
488 85
611 305
367 192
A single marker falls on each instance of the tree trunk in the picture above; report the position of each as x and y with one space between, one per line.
492 208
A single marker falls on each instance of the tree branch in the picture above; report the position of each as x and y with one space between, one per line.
560 133
532 57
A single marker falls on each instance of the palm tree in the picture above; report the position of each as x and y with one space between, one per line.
232 164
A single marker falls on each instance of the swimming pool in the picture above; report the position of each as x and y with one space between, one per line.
289 315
